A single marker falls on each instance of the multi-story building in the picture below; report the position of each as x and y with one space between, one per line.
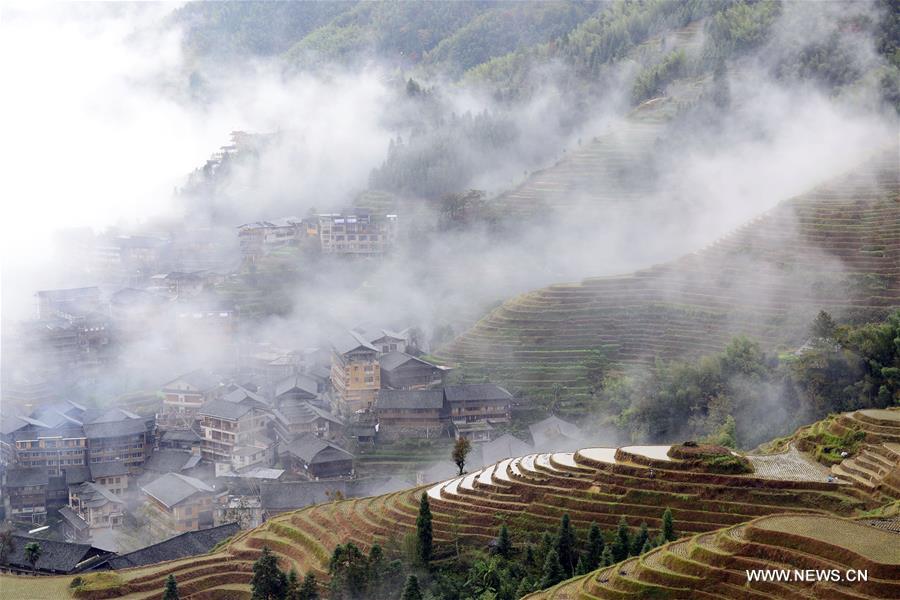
185 502
99 507
53 303
182 397
26 493
477 402
118 436
314 458
411 413
355 375
112 475
361 234
400 371
261 237
231 429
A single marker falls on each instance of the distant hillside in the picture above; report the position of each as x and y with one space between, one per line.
835 248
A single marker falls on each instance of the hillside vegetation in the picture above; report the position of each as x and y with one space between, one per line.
835 248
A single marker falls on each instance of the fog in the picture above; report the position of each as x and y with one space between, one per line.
108 117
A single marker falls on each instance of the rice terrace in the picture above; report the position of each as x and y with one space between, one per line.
450 300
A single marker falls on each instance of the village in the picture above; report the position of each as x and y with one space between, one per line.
256 431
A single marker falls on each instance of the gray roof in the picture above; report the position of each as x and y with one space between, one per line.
73 519
180 435
94 495
108 469
168 461
76 475
350 340
315 450
476 391
16 477
372 334
187 544
301 411
297 494
173 488
223 409
303 383
410 399
112 429
552 431
392 360
56 557
201 380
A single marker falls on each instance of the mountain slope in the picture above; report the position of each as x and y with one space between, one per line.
836 248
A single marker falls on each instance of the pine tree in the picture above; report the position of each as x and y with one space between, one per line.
647 547
581 568
377 571
268 582
668 525
411 590
553 571
525 587
504 544
310 588
565 545
595 547
544 547
640 539
171 591
530 560
424 531
607 558
622 543
293 585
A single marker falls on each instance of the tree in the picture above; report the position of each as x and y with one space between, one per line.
823 327
461 450
622 543
7 545
411 589
377 571
171 591
565 546
553 571
607 557
595 547
33 553
425 534
349 571
581 568
668 525
268 581
310 589
637 544
504 544
293 585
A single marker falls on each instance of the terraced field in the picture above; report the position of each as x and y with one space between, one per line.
713 566
531 493
835 248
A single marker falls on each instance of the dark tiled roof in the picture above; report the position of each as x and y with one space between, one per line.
75 475
180 435
56 557
476 391
392 360
303 383
200 379
315 450
223 409
168 461
350 340
174 488
290 495
242 395
111 429
108 469
191 543
93 495
16 478
300 411
411 399
73 519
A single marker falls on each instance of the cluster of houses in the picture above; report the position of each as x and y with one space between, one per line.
351 233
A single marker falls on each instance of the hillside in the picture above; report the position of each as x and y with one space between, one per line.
836 247
707 491
713 565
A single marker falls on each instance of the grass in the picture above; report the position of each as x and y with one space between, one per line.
13 587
